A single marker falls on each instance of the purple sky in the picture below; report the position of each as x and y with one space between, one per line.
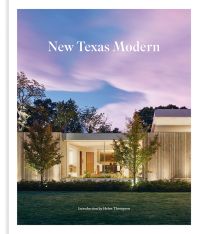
116 83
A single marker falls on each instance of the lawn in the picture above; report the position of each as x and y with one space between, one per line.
140 208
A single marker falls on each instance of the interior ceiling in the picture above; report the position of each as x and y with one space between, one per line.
96 144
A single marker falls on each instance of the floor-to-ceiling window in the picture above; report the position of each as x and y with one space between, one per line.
106 162
72 163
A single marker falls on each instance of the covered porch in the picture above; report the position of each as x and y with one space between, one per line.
91 155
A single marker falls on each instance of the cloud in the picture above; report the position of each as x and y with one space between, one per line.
118 113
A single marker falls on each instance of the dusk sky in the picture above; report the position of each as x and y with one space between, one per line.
116 83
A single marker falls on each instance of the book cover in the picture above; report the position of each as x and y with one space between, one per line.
103 117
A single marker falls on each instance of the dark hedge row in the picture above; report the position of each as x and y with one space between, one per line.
75 186
125 186
163 186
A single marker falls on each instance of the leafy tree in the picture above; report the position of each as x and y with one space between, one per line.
170 106
131 153
104 128
146 115
116 130
94 122
41 150
67 117
43 112
27 92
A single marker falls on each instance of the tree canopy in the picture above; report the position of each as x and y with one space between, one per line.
92 121
43 112
27 92
67 118
63 116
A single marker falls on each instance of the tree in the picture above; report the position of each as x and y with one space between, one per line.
131 153
94 122
67 117
41 150
104 128
146 115
43 112
116 130
27 92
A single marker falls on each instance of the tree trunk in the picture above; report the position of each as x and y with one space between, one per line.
134 168
42 178
134 177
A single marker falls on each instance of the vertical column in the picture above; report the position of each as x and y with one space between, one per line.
19 155
63 151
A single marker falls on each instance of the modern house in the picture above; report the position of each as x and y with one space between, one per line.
92 154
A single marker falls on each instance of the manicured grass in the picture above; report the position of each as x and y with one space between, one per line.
62 208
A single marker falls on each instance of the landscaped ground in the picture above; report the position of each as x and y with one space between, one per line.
62 208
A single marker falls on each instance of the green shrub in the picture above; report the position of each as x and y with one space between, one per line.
112 185
162 186
75 186
103 175
87 174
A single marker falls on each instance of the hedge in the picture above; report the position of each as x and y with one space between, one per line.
162 186
122 186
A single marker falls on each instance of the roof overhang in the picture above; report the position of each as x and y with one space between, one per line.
92 136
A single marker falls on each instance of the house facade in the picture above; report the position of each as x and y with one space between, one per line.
91 155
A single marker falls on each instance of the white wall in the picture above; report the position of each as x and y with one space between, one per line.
171 124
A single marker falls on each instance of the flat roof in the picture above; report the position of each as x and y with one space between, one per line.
172 113
92 136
